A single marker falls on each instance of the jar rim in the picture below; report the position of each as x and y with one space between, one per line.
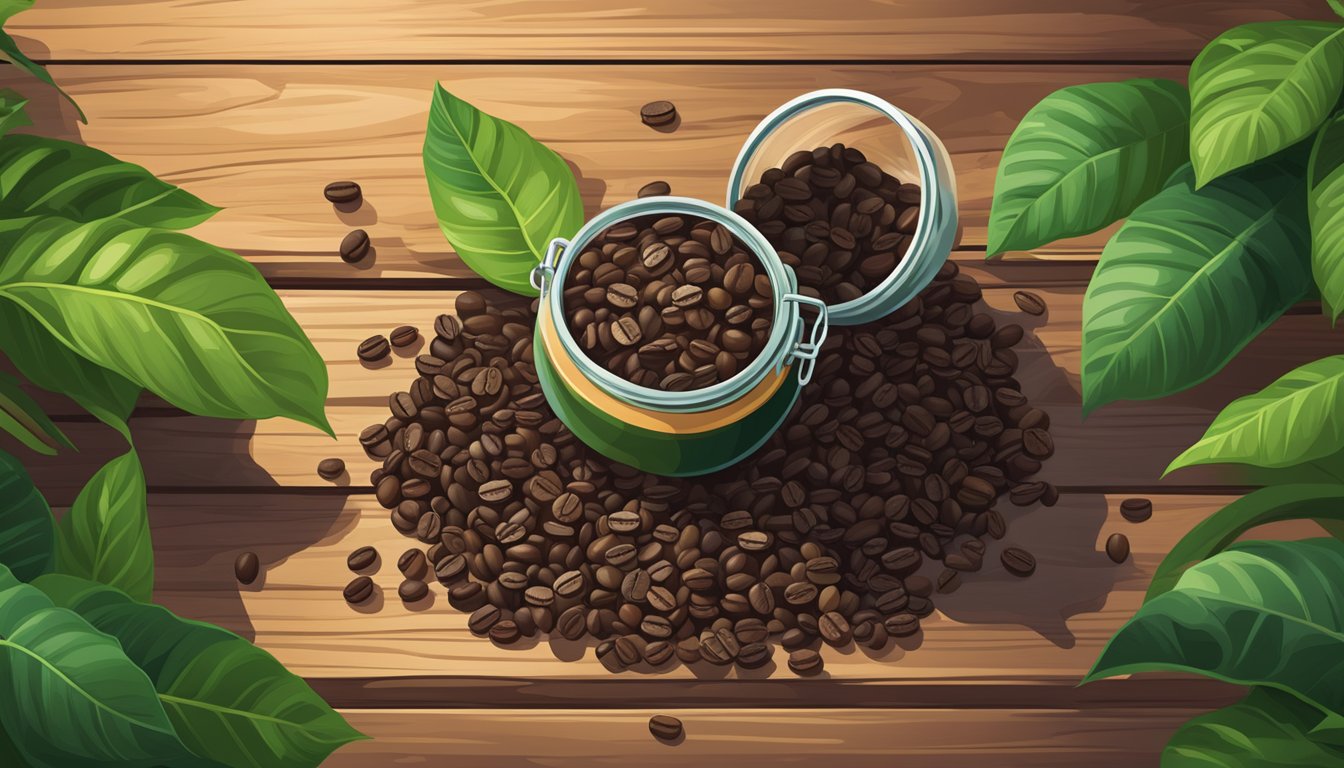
935 232
783 328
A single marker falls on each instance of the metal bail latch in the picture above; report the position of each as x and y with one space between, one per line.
807 351
540 277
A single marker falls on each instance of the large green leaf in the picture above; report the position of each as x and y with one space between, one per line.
1085 157
24 419
51 365
1190 278
195 324
1298 418
1323 502
500 196
1325 205
1259 613
1267 729
10 50
27 529
42 176
105 536
229 700
69 696
1260 88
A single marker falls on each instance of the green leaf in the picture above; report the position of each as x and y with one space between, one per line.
1267 729
105 536
1260 613
1338 5
1322 502
1261 88
1298 418
229 700
1084 158
12 114
71 697
1325 206
500 196
10 51
49 364
27 529
24 419
192 323
42 176
1190 278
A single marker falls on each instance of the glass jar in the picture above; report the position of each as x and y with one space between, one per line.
699 431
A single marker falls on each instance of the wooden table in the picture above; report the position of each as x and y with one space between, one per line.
255 104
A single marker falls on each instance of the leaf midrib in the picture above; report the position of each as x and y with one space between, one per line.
1217 259
480 169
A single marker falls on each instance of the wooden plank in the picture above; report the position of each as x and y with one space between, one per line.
1124 444
261 141
737 738
1003 640
612 29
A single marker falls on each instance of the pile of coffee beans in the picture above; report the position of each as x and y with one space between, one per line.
670 302
880 489
840 221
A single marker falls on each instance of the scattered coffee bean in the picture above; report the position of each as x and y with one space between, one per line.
362 558
413 564
342 192
1117 547
1136 510
658 113
649 300
373 349
840 221
1018 561
359 590
665 727
330 469
412 590
355 246
805 662
247 567
654 189
1029 302
403 336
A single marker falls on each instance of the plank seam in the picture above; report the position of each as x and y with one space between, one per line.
623 62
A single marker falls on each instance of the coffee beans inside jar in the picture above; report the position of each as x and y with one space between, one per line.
888 472
669 302
840 221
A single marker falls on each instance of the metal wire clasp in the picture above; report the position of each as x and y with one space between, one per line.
807 351
540 277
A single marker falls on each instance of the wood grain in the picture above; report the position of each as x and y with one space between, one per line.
262 140
1012 641
1062 30
1121 445
748 738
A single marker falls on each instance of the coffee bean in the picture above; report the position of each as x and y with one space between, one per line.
948 581
413 564
1018 561
902 624
342 192
373 349
834 629
330 469
1029 302
654 189
805 662
1136 510
1117 547
362 558
665 727
246 567
354 246
359 590
657 113
403 336
412 590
